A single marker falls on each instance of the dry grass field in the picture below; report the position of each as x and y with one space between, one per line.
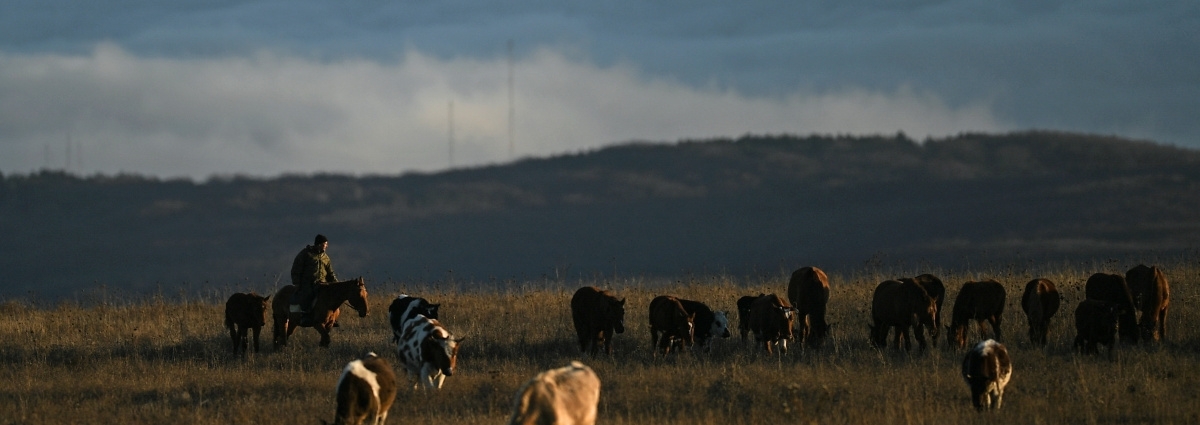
154 361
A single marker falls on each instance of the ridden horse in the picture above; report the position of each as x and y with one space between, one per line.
325 310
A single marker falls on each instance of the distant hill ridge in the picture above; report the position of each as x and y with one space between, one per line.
753 204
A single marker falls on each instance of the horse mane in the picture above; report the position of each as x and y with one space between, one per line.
339 285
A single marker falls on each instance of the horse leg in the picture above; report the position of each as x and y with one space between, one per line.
588 346
583 339
289 326
276 331
256 329
324 334
1162 324
233 336
427 376
919 329
244 338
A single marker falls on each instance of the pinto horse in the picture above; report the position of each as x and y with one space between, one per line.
325 311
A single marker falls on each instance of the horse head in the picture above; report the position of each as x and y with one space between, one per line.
358 300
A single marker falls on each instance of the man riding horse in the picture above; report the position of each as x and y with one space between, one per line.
310 268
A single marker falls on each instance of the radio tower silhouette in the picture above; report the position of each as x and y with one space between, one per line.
512 111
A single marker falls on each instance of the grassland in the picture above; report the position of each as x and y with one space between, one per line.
151 360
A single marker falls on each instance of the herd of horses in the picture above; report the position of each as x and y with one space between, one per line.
905 308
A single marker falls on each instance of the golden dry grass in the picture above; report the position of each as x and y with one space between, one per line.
154 361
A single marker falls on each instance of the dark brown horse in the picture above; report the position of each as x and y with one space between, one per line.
597 315
1040 301
245 313
982 302
676 325
1112 288
325 311
743 306
904 306
936 290
808 291
773 322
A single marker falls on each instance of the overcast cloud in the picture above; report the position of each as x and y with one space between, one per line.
268 87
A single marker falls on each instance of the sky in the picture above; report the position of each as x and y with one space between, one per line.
198 89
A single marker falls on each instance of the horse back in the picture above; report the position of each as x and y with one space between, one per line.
279 303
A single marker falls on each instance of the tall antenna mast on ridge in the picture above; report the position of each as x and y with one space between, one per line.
450 132
512 113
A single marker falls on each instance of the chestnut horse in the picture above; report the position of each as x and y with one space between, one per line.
325 311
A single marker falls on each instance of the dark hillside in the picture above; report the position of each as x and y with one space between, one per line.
754 204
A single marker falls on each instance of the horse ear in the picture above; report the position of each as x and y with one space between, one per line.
622 301
267 298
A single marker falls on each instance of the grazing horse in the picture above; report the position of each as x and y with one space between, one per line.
405 307
743 306
987 369
1096 323
901 305
936 290
677 326
808 290
365 391
1151 294
244 312
1040 301
564 396
773 321
978 301
597 315
429 351
325 310
709 323
1112 288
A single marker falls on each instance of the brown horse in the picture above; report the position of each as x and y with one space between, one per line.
904 306
808 290
325 310
245 313
1151 294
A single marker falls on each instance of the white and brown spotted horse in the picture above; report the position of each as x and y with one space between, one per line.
405 307
428 350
